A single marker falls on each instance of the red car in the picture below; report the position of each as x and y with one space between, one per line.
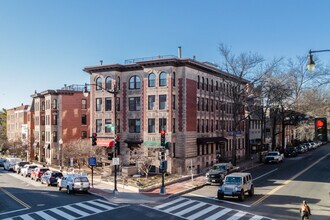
37 173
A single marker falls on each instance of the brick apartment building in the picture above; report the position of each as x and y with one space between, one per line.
186 98
58 115
17 125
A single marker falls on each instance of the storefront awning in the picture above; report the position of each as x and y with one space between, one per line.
210 140
152 144
105 142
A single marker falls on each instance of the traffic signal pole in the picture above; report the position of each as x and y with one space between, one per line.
162 161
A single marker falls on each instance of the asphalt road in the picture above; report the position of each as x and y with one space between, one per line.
279 191
281 188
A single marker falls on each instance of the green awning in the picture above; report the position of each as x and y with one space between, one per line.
151 144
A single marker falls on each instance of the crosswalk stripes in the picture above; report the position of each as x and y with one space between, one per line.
71 211
193 209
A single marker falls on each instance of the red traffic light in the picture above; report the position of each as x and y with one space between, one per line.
162 132
319 123
94 134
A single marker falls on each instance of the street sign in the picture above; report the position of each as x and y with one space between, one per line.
115 161
92 161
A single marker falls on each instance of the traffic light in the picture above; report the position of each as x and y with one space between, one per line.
167 145
321 132
162 138
161 155
110 156
94 139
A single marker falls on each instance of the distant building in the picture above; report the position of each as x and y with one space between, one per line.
58 114
17 128
188 99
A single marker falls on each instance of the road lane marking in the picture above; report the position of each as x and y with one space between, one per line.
287 181
218 214
17 210
15 198
215 199
265 174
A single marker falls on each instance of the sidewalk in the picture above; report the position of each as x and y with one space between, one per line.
127 196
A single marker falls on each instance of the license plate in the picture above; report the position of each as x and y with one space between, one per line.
213 180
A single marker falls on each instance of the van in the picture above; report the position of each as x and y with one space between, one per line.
10 163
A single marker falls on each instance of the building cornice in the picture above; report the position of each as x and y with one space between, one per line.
176 62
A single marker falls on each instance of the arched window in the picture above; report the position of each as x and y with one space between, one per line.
162 79
108 83
134 82
151 80
98 83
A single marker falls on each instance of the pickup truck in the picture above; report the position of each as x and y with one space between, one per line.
274 157
218 172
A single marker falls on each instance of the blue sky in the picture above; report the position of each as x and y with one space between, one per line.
45 44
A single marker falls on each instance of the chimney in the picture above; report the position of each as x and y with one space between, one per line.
179 52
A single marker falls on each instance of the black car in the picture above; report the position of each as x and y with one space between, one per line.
51 177
290 152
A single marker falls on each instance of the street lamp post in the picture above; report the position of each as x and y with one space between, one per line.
60 142
311 62
114 92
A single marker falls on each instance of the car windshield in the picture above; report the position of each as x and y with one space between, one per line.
233 180
81 179
43 170
272 154
32 167
56 174
219 167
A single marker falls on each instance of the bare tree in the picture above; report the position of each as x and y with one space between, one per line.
246 68
80 150
144 158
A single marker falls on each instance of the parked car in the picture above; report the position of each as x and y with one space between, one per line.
73 183
27 169
236 185
18 166
273 156
37 172
218 172
2 161
10 163
290 152
50 177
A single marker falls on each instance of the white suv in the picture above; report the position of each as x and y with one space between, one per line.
74 182
236 184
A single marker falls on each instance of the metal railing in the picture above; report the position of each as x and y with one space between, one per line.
135 60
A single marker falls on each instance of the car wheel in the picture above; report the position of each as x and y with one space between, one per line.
48 183
220 196
59 188
251 191
241 197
